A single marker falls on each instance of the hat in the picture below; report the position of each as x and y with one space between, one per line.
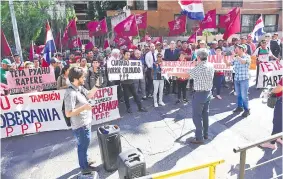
131 50
54 60
172 42
267 35
35 57
58 54
28 63
276 33
214 42
6 61
158 42
202 53
202 42
16 54
108 50
243 46
244 37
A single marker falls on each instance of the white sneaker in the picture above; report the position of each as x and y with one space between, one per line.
155 105
235 94
218 97
268 145
279 141
161 103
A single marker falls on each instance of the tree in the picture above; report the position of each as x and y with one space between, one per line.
102 6
31 19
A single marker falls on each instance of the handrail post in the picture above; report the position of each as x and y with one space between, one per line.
242 164
212 172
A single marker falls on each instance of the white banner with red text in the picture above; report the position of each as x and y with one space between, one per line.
269 74
184 66
42 111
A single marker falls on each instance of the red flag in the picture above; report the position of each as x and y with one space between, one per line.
192 38
177 26
70 31
157 39
89 46
97 28
5 48
225 20
209 20
127 27
39 49
234 26
75 43
31 52
44 63
132 46
141 20
146 38
106 44
120 41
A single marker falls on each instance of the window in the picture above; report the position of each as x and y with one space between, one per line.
248 22
80 8
138 5
232 3
152 4
270 23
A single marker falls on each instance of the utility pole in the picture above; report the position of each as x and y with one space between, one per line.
15 29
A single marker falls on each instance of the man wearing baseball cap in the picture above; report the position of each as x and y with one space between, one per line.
244 42
5 65
241 63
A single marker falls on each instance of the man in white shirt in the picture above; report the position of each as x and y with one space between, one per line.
150 58
18 64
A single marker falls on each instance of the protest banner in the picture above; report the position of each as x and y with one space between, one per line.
253 63
36 79
124 70
269 74
32 113
184 66
218 62
105 105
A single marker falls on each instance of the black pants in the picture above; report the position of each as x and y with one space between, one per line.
182 88
277 118
149 81
168 85
128 90
119 90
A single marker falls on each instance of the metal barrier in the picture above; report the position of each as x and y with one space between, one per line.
172 173
244 148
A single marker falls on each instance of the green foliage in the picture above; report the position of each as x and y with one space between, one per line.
206 33
31 19
102 6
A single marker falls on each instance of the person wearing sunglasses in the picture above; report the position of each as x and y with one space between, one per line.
158 82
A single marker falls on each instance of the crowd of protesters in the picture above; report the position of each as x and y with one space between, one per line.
82 72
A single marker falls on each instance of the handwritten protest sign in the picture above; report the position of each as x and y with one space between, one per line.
269 74
105 102
31 113
124 70
20 81
218 62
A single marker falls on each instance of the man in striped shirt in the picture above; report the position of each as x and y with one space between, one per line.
202 75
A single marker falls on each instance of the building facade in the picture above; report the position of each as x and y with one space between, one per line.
160 12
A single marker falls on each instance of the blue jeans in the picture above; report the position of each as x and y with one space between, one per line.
242 88
217 83
83 135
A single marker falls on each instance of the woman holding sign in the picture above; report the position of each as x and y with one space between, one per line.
63 81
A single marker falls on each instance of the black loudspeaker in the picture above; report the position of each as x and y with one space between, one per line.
110 146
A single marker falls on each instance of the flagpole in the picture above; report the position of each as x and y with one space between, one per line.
52 36
60 40
137 28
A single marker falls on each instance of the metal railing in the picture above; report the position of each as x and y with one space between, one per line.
244 148
173 173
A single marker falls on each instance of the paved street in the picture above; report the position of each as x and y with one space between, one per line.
162 135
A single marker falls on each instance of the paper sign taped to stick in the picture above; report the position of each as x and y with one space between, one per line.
269 74
124 70
106 105
36 79
32 113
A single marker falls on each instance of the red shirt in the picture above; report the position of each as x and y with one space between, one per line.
187 51
281 84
